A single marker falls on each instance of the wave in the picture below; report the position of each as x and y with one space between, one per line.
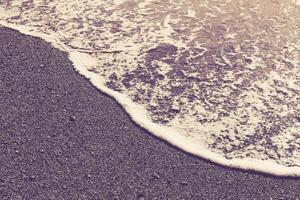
218 79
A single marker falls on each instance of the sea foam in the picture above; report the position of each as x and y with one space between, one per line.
219 80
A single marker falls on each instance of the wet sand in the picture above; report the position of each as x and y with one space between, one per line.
60 138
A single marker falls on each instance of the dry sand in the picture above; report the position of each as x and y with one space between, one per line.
60 138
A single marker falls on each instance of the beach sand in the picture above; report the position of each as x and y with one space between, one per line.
60 138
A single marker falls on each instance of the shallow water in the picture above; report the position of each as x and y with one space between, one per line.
217 78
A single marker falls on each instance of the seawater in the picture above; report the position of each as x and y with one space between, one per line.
217 78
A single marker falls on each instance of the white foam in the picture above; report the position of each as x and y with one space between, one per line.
139 115
83 59
191 13
119 2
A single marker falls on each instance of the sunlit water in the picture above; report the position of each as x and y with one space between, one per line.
217 78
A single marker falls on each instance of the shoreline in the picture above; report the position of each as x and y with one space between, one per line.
82 61
63 138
